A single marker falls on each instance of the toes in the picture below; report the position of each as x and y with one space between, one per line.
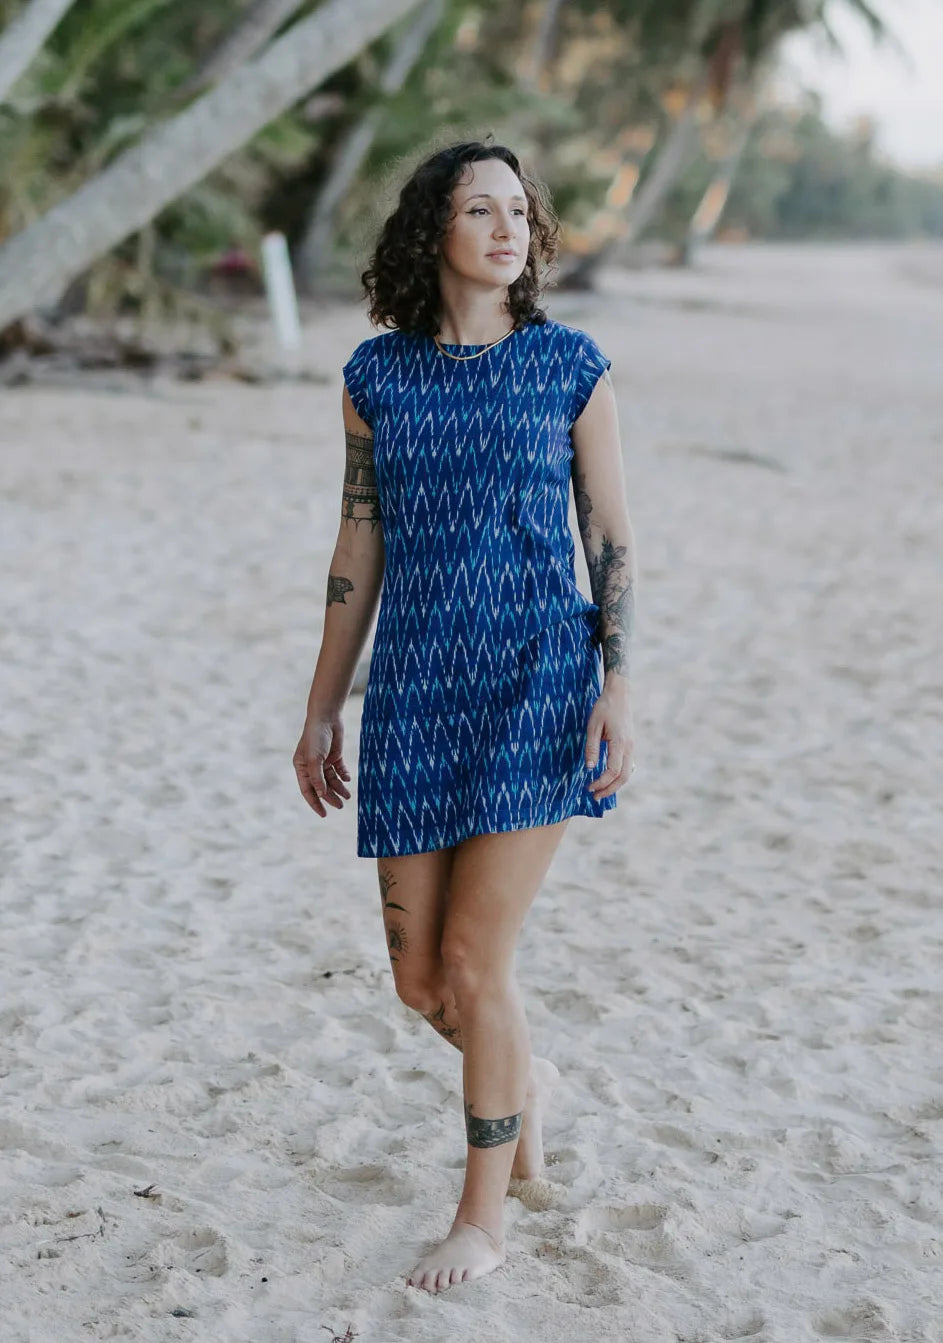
456 1276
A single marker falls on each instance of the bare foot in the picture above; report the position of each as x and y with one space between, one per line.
467 1252
529 1157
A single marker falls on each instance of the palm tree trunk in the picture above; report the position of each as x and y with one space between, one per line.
707 215
538 58
315 247
674 156
648 197
260 21
37 264
24 37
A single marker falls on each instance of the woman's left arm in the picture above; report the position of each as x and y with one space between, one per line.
609 547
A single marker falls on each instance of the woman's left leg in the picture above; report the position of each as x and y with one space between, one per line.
493 883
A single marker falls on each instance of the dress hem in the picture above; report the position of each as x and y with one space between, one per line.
517 823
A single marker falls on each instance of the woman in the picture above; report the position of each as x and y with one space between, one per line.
483 727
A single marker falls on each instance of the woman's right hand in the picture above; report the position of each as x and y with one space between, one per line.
319 766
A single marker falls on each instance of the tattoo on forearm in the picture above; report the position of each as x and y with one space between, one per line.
361 501
337 588
612 585
491 1132
616 599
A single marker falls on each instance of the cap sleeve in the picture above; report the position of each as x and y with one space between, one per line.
357 376
591 364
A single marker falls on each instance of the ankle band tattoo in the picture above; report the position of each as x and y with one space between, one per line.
491 1132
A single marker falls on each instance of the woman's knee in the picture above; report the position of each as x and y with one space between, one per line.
421 992
469 969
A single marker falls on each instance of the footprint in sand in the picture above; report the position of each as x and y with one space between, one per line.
205 1252
744 1327
369 1184
866 1321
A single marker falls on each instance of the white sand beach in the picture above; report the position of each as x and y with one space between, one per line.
737 971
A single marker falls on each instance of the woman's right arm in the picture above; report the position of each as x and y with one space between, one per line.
355 578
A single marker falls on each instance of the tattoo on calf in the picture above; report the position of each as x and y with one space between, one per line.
491 1132
361 501
437 1021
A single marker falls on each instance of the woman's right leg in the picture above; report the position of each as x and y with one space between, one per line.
414 893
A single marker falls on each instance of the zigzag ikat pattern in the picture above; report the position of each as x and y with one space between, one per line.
486 659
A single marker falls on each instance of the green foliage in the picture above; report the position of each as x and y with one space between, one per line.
113 69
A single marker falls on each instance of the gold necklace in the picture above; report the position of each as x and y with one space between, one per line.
478 353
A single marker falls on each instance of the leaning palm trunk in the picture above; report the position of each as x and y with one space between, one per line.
24 38
256 26
623 228
315 248
537 59
708 213
37 264
674 157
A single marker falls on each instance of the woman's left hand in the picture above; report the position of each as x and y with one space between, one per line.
610 721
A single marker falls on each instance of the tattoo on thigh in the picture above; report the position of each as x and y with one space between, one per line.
437 1021
491 1132
386 881
397 939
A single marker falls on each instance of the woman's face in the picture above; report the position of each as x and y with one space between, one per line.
488 234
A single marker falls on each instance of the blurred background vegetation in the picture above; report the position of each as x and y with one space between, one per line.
648 119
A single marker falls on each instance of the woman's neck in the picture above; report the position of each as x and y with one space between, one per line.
473 323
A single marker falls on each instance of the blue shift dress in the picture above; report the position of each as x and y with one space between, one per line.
486 657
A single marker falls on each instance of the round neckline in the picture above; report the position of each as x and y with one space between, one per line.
479 345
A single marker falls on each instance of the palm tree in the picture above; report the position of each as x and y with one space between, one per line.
38 263
710 208
260 22
313 252
726 40
25 36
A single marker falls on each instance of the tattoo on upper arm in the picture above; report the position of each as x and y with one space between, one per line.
613 588
583 505
361 502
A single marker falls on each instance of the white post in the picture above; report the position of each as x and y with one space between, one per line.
280 289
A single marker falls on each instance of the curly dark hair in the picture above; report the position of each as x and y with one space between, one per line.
402 279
